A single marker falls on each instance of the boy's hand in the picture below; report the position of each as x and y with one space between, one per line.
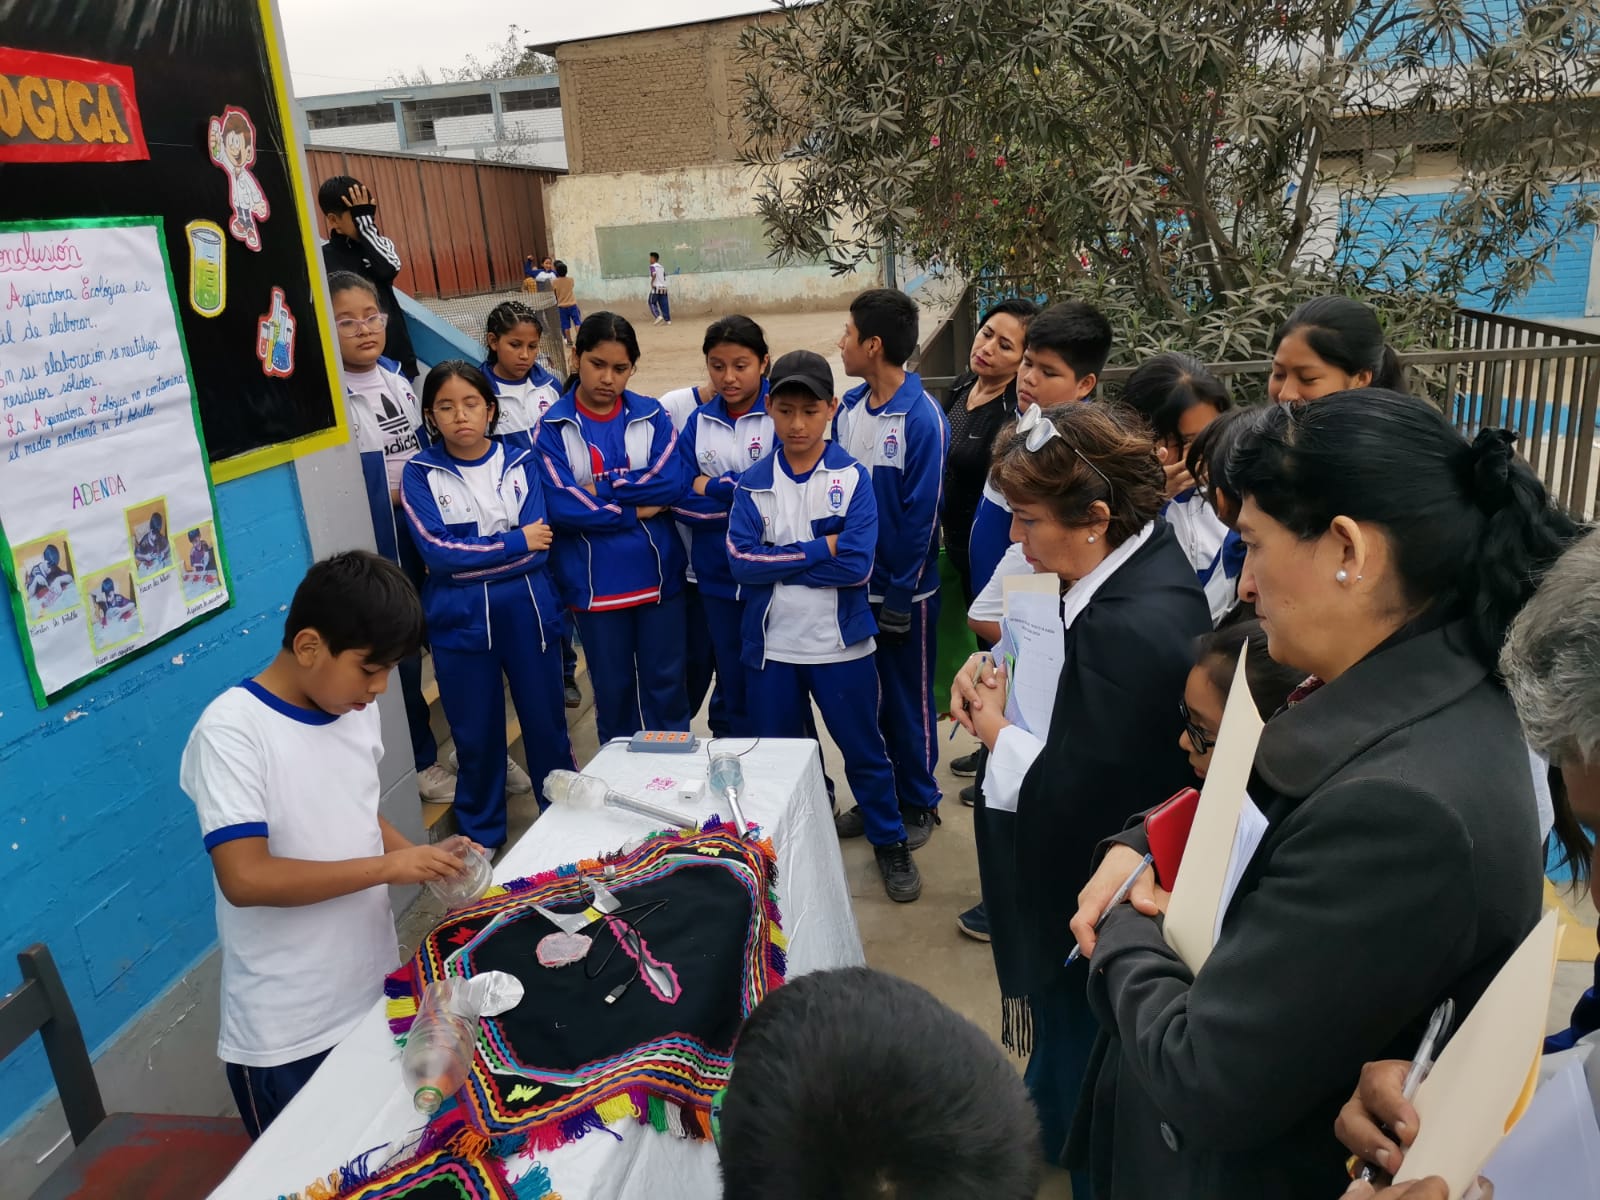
539 536
420 864
358 196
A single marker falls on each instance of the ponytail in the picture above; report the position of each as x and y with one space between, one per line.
1389 374
1523 534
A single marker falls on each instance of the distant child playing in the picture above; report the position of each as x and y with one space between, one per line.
283 770
801 539
611 473
898 432
478 515
387 428
525 391
660 306
566 302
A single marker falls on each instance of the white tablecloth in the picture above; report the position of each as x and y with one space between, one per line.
356 1101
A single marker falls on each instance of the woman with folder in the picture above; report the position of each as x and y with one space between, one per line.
1401 859
1101 733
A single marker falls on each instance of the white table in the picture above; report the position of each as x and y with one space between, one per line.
356 1101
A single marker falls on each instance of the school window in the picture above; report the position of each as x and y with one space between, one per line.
531 99
420 115
352 114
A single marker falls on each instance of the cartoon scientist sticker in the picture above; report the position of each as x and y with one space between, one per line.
232 144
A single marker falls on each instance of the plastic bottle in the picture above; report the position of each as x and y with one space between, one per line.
439 1048
570 789
471 882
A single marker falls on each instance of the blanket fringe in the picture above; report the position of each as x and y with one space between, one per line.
1016 1025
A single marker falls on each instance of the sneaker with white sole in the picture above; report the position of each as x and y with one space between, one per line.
518 781
436 784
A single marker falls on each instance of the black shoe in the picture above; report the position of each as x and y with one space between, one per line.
849 824
969 795
901 880
919 824
966 766
974 923
574 698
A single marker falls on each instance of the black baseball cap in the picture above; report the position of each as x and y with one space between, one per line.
803 369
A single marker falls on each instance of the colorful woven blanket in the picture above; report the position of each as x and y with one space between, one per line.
634 990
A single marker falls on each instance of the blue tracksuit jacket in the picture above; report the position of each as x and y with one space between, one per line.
463 561
903 447
764 550
518 422
715 445
605 556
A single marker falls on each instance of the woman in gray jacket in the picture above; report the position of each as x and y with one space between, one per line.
1401 863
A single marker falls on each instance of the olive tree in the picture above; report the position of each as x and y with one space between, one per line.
1194 166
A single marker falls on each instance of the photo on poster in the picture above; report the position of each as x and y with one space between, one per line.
147 534
201 576
45 575
113 605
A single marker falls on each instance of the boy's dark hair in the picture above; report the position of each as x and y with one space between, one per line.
330 196
860 1085
654 254
458 368
561 269
891 317
358 601
1078 332
349 281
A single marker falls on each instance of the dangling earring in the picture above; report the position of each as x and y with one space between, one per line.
1342 575
1093 537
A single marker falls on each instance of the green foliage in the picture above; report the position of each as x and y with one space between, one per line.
1194 166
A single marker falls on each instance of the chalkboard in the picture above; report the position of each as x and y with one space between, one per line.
686 247
150 108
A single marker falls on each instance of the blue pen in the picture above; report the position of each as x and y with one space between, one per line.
1121 895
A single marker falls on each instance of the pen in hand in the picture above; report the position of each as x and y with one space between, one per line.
1438 1025
1120 895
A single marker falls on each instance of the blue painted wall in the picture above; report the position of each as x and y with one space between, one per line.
100 854
1562 295
1485 18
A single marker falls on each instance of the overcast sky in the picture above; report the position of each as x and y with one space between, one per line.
354 45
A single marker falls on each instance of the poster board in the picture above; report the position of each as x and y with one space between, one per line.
183 111
109 540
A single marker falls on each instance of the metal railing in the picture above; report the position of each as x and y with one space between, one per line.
1541 380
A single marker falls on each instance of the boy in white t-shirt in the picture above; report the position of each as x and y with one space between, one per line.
283 770
660 305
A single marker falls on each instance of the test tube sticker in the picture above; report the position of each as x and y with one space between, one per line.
275 338
208 268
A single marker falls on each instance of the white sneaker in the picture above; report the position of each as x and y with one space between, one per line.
436 784
658 321
518 781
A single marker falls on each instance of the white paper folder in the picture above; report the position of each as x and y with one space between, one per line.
1482 1083
1202 890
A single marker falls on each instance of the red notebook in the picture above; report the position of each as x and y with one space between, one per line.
1167 828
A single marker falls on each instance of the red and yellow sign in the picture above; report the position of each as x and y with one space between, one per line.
59 109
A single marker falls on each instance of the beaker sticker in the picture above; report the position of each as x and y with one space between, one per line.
231 142
208 268
275 338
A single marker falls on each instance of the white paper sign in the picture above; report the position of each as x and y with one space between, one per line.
105 502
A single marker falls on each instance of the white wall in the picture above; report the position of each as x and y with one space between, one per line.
359 137
576 204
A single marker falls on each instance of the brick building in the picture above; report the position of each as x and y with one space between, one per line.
652 144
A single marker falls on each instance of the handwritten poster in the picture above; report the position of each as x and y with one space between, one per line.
107 518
